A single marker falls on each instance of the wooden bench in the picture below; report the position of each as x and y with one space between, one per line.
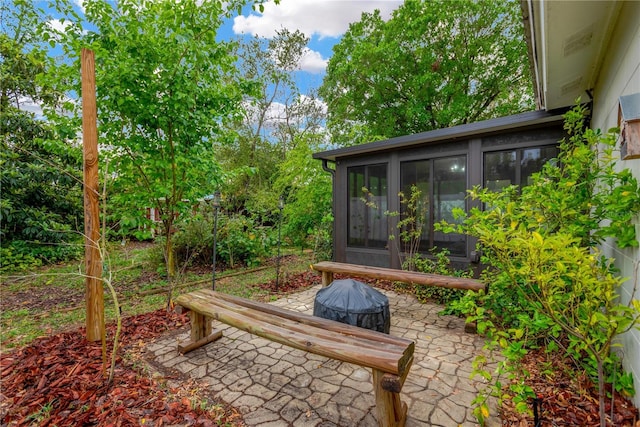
389 357
328 268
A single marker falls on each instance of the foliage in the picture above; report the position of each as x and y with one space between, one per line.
40 167
308 192
323 239
13 260
239 241
549 285
438 263
193 242
20 255
166 86
434 64
409 227
275 118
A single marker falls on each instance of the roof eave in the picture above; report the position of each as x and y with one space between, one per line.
470 130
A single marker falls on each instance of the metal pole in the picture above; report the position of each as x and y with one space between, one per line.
215 241
280 206
216 207
214 199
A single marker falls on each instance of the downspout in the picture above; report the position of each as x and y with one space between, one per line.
326 168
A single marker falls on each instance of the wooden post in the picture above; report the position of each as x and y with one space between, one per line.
327 278
390 410
93 261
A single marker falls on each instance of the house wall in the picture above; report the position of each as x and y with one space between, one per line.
620 75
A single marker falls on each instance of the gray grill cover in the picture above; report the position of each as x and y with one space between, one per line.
355 303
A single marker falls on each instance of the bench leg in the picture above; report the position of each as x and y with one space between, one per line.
391 412
327 278
201 333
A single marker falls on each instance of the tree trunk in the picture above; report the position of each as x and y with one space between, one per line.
168 254
601 395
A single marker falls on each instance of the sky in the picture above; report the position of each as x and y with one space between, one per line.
323 21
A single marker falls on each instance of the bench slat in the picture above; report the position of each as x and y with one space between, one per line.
397 349
285 333
411 277
315 321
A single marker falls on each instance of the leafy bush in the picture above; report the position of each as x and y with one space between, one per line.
20 255
239 241
323 239
40 161
549 285
438 264
13 260
193 243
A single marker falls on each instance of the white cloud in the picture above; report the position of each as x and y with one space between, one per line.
80 4
28 104
319 103
324 18
276 113
312 62
58 25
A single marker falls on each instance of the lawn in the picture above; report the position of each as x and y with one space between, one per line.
51 299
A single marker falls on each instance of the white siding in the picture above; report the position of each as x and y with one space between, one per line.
620 75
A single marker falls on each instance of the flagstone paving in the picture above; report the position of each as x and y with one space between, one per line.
273 385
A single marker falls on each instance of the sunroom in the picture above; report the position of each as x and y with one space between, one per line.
442 164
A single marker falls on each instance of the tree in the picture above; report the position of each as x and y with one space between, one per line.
308 191
40 167
272 120
166 87
434 64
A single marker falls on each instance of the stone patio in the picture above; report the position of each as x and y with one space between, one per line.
274 385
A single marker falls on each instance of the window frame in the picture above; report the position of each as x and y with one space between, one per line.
367 210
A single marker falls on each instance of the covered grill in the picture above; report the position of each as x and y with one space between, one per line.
355 303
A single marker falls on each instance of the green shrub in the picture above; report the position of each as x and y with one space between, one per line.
193 243
239 241
548 284
438 263
323 239
13 260
20 255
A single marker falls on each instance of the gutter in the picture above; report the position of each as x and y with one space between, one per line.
326 168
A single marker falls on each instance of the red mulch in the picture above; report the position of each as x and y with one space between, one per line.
300 281
566 400
59 381
291 282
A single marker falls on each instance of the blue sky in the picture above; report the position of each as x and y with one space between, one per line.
323 21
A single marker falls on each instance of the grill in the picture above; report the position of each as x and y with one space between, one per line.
355 303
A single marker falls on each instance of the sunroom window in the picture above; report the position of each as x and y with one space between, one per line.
442 184
515 167
367 223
